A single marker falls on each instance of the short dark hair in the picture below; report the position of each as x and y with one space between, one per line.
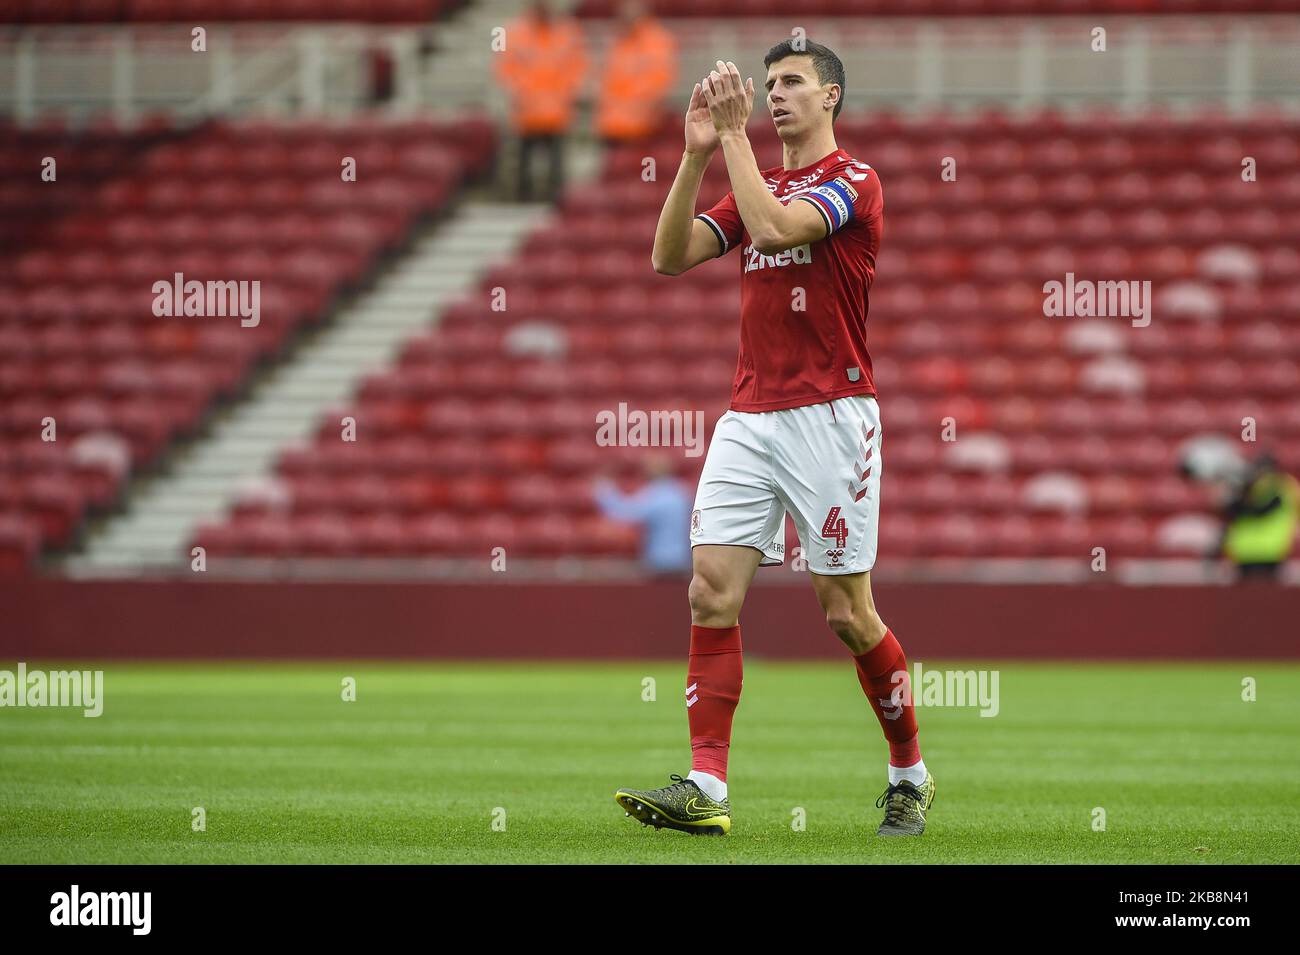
825 62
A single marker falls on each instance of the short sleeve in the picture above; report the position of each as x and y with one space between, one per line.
724 219
853 194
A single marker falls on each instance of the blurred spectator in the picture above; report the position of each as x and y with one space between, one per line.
541 69
662 506
1261 520
638 74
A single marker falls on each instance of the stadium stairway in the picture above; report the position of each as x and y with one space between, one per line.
289 404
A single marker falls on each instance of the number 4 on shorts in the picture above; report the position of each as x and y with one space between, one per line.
834 527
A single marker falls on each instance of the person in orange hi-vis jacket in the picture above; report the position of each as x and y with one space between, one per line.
638 74
541 69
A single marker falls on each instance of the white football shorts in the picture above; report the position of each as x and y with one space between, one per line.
821 463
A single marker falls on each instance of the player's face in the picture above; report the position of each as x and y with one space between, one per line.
795 97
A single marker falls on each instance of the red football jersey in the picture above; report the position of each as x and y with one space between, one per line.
790 358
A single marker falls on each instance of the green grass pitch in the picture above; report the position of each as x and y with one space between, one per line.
418 768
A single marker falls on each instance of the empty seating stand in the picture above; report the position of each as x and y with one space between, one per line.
80 344
1068 429
208 11
942 8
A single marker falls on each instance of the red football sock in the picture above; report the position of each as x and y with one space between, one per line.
893 706
713 679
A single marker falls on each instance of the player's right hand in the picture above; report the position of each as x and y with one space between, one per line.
701 137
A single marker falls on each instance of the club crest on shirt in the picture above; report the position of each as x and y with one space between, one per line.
847 187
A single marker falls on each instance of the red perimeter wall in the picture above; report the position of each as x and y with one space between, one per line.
56 618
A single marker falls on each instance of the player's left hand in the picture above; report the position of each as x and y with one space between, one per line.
730 101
